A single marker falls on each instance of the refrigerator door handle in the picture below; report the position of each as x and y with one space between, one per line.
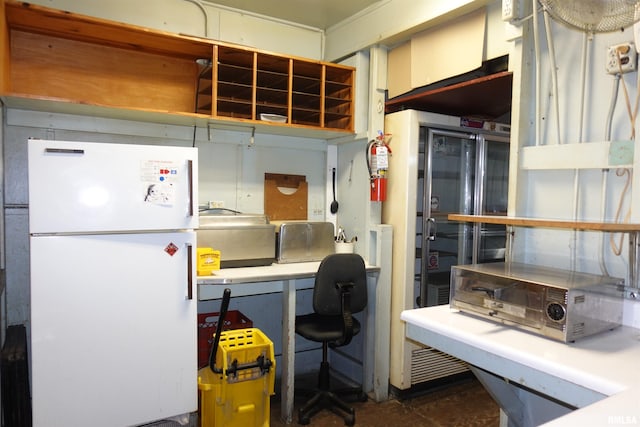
189 272
64 150
190 172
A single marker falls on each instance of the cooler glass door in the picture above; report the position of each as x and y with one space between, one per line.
449 174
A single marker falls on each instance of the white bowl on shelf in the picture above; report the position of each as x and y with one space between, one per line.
276 118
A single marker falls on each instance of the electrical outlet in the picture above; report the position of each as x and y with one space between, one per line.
625 54
216 204
509 10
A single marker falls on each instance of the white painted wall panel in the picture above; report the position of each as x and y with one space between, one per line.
177 16
390 22
17 266
496 44
203 19
270 35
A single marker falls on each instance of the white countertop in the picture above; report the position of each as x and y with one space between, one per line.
599 374
266 273
257 280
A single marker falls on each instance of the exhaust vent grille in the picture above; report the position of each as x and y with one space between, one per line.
559 295
429 364
578 329
437 294
555 325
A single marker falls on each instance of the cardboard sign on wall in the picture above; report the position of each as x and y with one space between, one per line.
285 196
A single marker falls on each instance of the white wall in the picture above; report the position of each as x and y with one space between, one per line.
550 193
392 21
232 168
202 19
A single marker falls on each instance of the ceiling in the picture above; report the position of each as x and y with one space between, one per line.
313 13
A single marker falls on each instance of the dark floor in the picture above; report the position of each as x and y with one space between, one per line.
460 405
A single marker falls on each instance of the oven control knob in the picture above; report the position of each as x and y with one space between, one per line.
555 311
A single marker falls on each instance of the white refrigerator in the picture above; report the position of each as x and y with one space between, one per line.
113 289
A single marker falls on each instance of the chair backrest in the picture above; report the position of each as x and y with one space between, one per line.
334 269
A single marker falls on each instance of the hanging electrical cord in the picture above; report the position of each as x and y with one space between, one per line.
633 113
612 107
617 249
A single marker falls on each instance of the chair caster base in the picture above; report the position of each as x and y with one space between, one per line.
304 421
326 399
350 420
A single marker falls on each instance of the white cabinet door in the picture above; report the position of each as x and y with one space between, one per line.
84 187
113 331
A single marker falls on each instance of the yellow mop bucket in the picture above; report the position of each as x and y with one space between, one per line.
236 389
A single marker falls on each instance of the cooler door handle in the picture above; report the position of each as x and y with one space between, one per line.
432 229
189 272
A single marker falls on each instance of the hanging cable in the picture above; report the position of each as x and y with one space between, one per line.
612 107
617 248
206 16
632 112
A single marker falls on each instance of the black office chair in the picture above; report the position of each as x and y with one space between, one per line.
340 290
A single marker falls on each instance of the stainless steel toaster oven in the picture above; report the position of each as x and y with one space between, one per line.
558 304
244 240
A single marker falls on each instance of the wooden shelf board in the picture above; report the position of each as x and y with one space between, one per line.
64 68
39 19
176 53
64 106
487 96
547 223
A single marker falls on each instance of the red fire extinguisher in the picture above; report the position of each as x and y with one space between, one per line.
378 152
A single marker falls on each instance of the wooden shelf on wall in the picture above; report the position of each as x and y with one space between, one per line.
51 56
487 97
615 227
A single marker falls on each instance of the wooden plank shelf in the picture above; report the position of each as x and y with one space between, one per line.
548 223
51 55
468 98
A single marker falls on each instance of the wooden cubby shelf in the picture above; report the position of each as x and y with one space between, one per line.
90 64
